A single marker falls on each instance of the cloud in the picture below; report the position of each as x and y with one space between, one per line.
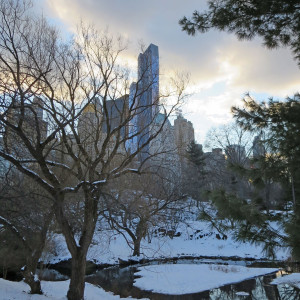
258 69
212 59
212 107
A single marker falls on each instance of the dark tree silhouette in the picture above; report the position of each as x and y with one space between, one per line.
277 22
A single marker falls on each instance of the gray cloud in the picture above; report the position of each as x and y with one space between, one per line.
210 58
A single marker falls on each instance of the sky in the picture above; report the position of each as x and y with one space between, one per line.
222 69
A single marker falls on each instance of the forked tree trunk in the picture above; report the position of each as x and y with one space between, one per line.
77 283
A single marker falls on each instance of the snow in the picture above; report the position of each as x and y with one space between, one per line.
194 238
291 279
182 279
52 291
108 246
242 294
189 243
99 182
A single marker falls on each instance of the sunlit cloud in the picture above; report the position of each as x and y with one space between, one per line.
221 68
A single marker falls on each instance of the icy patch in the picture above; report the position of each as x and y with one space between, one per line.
242 294
292 280
186 279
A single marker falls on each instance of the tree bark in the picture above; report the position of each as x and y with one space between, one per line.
32 280
34 283
78 250
293 191
77 283
137 247
33 258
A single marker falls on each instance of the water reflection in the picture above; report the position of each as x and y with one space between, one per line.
120 282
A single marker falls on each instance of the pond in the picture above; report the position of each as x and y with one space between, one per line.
120 281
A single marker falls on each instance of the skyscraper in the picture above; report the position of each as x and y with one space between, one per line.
144 99
148 80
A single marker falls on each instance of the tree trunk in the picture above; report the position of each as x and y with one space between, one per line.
139 233
31 265
33 258
137 247
78 250
293 191
77 283
32 280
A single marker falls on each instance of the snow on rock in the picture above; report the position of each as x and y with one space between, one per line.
10 290
242 294
291 279
181 279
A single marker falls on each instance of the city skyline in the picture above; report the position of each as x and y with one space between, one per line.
222 69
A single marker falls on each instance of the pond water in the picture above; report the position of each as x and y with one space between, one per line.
120 282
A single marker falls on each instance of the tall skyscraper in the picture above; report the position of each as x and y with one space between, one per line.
148 80
144 99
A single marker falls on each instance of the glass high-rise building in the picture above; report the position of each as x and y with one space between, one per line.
144 99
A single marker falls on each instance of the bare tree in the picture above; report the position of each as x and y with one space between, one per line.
57 107
25 216
231 150
140 204
245 164
236 142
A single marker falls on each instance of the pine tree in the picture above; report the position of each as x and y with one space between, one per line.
196 175
245 221
276 21
281 120
195 154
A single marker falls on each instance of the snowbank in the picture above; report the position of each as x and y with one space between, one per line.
196 239
181 279
10 290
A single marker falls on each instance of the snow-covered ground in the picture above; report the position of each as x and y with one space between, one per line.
193 238
181 279
10 290
52 291
196 239
166 279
